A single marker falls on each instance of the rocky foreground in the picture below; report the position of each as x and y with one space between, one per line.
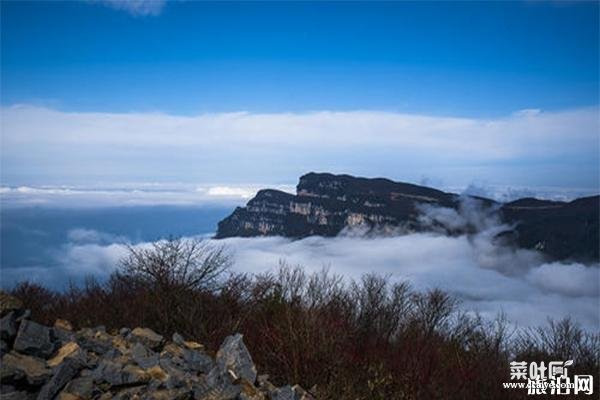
40 362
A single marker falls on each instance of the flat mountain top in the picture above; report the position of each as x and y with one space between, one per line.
325 204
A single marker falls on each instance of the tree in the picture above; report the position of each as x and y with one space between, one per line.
175 263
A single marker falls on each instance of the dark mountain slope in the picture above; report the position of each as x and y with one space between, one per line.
325 204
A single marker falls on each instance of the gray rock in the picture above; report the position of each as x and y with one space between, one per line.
8 327
7 388
216 385
34 339
22 314
98 345
148 337
143 356
178 339
233 355
177 377
197 361
81 387
63 335
17 395
116 374
17 367
66 371
301 394
283 393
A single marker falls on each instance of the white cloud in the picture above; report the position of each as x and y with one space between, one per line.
141 8
487 278
460 137
137 194
227 147
568 279
454 264
82 235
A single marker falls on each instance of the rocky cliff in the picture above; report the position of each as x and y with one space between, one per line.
325 204
41 362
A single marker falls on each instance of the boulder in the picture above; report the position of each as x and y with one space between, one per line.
116 374
57 363
70 349
148 337
283 393
234 356
143 356
17 367
34 339
80 388
8 326
197 361
66 371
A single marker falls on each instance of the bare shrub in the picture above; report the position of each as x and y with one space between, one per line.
363 340
185 263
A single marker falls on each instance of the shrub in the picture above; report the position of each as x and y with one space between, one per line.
369 339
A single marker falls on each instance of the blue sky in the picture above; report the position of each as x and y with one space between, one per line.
469 67
466 59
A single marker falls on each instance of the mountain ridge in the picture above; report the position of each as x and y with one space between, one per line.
325 204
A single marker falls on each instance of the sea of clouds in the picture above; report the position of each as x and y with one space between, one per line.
487 277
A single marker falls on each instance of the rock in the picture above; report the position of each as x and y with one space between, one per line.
170 394
197 361
22 314
177 339
8 326
129 365
249 391
63 336
144 357
157 373
34 339
70 349
98 342
216 386
17 395
234 356
63 324
80 388
17 367
264 384
283 393
64 373
301 394
9 303
148 337
116 374
325 204
180 341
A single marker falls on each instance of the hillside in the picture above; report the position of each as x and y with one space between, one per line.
325 204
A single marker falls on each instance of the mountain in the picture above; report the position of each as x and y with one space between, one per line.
325 204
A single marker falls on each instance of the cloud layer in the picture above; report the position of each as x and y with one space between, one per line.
177 194
486 277
526 148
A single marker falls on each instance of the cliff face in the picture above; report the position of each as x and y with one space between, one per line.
325 204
